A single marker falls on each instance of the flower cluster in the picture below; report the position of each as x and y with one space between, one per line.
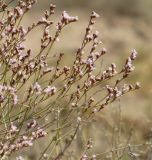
6 91
13 145
128 65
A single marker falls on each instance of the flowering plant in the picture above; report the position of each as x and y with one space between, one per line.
56 108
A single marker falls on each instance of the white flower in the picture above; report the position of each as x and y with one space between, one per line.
37 88
19 158
13 129
85 157
50 90
15 99
79 119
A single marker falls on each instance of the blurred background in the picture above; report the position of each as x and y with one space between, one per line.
123 25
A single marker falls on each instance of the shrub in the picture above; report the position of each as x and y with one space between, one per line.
40 100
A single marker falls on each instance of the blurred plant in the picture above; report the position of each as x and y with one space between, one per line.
54 102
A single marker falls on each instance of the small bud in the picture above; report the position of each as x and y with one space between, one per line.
104 51
137 86
94 15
